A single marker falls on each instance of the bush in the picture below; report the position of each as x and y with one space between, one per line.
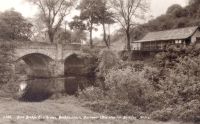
6 57
107 60
168 91
131 86
189 111
165 114
92 94
6 69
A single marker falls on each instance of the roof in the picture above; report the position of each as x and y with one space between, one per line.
174 34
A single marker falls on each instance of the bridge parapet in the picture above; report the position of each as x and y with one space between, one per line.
74 46
40 45
42 56
36 45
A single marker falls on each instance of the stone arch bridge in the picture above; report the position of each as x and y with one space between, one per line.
45 59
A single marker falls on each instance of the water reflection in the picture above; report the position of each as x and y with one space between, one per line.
39 89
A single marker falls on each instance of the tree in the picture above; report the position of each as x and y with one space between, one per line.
53 13
78 36
105 17
173 9
89 10
194 2
77 24
125 13
63 36
78 28
177 11
14 26
6 55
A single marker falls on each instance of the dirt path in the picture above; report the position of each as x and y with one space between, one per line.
63 111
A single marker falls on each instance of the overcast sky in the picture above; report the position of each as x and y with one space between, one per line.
157 7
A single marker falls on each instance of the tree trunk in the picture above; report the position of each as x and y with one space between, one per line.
104 35
91 41
128 44
51 36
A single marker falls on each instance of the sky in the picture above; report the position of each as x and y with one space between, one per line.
157 7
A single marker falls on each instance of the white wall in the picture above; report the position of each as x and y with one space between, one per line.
136 46
196 34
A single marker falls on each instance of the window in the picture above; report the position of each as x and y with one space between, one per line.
198 40
178 41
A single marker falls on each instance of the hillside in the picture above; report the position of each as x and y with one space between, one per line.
175 17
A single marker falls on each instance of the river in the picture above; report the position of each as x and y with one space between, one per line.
39 89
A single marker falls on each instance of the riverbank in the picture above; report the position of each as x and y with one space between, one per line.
64 110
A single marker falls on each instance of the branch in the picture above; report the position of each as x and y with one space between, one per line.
41 6
134 10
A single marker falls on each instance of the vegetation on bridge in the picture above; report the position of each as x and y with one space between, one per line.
167 89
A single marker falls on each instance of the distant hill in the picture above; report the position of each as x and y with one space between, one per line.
175 17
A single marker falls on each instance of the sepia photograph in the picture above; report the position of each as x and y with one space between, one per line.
99 61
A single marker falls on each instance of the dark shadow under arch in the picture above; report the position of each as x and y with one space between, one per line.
39 64
39 83
73 65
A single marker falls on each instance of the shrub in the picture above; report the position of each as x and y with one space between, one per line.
6 68
190 111
107 60
165 114
92 94
130 86
168 91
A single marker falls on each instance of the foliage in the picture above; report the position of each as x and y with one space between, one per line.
173 9
105 16
14 26
169 92
6 53
126 87
172 54
52 14
93 12
63 36
89 10
77 24
175 17
78 36
107 60
126 12
8 86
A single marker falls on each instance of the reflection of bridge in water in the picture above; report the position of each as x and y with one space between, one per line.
44 59
48 64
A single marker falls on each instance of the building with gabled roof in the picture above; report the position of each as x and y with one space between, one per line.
157 41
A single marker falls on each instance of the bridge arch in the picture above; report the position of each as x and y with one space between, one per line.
40 64
73 64
23 52
68 54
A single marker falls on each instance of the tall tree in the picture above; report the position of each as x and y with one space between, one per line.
14 26
53 13
39 29
78 28
125 13
105 17
77 24
88 13
64 36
